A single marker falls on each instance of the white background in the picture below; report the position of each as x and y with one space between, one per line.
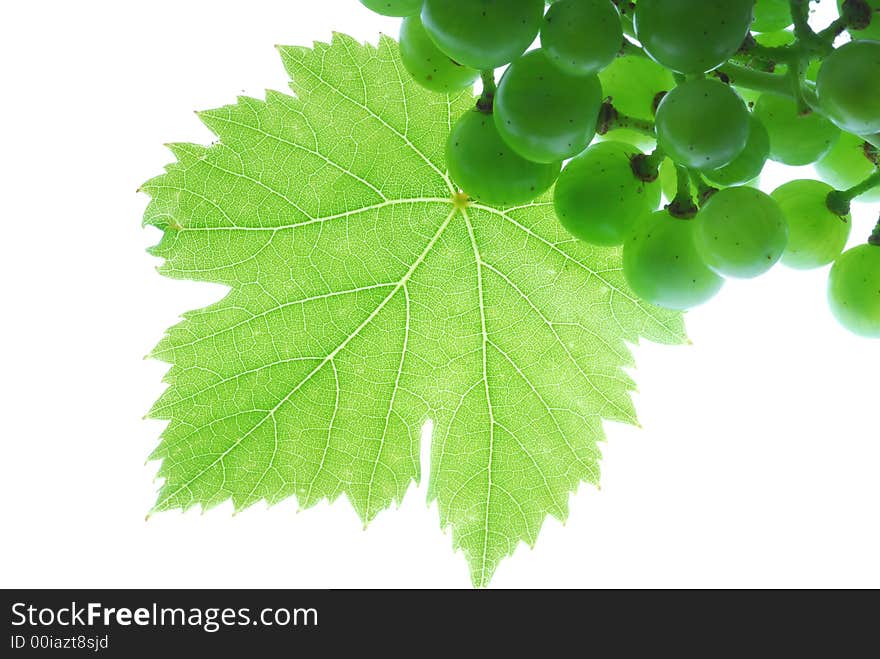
758 464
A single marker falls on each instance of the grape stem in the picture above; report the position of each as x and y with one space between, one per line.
656 158
839 200
683 206
808 43
830 33
487 99
704 190
731 72
875 237
743 76
800 16
647 167
796 74
626 7
769 55
610 119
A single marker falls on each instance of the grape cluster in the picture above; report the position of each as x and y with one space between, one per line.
623 102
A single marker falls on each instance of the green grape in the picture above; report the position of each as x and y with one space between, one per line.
692 36
847 165
741 232
487 169
582 37
633 83
816 236
661 264
775 39
702 124
795 139
854 290
483 34
772 15
749 164
598 198
545 114
849 87
749 96
873 30
426 64
394 7
635 138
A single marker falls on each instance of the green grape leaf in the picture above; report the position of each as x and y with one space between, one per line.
365 297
